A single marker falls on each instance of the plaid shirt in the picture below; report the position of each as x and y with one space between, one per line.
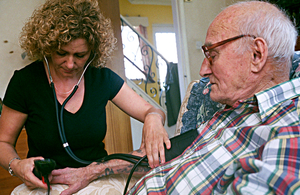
252 147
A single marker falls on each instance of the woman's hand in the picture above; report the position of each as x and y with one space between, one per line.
154 138
24 170
154 134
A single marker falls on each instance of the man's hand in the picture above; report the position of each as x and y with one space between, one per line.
76 178
79 178
153 140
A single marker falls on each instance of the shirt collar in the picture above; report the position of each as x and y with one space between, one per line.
270 99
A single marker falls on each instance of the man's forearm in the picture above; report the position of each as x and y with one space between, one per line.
122 167
117 166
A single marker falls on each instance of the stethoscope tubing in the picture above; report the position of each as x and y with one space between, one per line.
136 160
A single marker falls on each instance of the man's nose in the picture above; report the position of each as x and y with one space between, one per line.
205 69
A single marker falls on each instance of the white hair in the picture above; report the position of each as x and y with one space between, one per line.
274 26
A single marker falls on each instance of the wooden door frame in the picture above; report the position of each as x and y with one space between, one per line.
118 137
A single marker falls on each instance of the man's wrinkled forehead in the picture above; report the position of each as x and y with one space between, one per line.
227 20
224 24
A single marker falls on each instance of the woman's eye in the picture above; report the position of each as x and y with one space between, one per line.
60 53
80 56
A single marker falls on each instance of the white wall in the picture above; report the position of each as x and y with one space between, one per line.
197 23
13 14
191 21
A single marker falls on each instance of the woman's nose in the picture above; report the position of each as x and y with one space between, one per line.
205 69
70 62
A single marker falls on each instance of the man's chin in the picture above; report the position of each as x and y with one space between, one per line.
213 97
216 98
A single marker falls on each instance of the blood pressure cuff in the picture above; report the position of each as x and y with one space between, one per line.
180 143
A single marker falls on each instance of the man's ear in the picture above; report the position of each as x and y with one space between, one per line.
259 55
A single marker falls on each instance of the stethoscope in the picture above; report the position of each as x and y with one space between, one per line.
136 160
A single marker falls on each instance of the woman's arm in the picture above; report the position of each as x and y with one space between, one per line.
154 133
11 124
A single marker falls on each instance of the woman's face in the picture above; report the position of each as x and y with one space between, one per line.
69 61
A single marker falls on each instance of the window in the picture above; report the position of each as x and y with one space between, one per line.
131 50
165 43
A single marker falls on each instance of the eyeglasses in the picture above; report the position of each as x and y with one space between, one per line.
206 49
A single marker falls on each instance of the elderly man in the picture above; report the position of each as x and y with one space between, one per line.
252 146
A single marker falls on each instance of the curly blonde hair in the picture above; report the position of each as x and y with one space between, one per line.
57 22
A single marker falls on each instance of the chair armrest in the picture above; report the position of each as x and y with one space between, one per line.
183 107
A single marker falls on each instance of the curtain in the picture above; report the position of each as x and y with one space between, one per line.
173 101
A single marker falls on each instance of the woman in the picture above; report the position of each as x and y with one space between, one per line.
70 42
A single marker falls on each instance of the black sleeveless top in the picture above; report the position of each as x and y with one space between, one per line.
29 92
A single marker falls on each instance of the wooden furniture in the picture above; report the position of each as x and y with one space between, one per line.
7 182
118 123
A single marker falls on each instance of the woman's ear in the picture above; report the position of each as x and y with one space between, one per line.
259 55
